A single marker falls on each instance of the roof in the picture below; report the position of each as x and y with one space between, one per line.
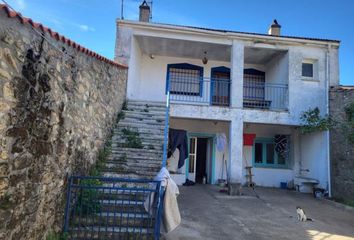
234 32
342 88
56 36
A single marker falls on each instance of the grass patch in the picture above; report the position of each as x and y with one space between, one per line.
125 105
132 138
120 116
5 202
56 236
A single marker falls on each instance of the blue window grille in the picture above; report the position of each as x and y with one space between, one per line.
266 154
184 79
113 208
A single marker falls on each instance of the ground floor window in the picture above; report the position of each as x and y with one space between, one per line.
272 152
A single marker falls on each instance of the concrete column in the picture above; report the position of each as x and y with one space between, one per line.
236 150
237 65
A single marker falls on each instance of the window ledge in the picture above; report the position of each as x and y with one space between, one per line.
308 79
273 167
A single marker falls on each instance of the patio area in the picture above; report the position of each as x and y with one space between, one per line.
208 214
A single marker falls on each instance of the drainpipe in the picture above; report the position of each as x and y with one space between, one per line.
327 111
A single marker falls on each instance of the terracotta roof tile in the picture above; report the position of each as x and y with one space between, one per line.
57 36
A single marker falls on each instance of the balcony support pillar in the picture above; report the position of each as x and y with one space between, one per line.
237 66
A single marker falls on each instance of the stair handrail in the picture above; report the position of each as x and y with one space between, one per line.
167 113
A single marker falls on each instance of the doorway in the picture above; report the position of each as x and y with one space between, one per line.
201 159
220 86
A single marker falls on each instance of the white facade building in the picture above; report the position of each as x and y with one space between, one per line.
256 84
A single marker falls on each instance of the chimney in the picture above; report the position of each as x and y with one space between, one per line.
274 28
144 12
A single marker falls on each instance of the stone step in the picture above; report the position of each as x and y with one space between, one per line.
134 150
138 125
143 108
119 153
142 121
143 103
142 131
135 164
116 167
128 175
145 142
138 114
133 157
143 137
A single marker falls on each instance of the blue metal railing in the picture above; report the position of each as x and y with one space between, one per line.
265 95
113 208
201 91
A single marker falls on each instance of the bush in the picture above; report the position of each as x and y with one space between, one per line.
313 122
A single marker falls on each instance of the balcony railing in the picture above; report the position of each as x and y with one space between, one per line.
265 95
200 91
216 92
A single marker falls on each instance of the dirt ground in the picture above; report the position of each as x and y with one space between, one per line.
208 214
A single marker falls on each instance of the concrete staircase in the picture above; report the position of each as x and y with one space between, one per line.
137 143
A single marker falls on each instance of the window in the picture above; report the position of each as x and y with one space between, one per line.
184 79
267 154
307 70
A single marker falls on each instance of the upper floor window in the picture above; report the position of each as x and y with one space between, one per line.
185 79
309 69
272 152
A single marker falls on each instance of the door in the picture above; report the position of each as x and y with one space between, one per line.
200 159
201 164
220 88
192 158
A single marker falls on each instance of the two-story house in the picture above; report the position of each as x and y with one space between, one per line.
250 87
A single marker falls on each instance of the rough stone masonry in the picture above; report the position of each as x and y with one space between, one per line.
55 112
342 149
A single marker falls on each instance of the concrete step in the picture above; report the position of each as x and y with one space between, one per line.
128 175
142 120
139 114
128 151
113 157
135 164
138 125
114 166
150 103
142 131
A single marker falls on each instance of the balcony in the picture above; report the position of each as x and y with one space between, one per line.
200 91
216 92
269 96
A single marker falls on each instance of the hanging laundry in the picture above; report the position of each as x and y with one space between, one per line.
177 138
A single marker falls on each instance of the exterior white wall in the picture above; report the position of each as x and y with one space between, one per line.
205 127
134 80
314 157
270 177
153 72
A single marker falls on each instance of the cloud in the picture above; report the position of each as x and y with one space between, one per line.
85 28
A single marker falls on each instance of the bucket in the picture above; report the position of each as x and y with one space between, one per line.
283 185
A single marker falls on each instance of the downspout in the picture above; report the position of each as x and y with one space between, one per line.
327 112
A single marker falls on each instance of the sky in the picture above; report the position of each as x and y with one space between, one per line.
91 23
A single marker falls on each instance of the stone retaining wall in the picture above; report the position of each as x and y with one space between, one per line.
55 112
342 150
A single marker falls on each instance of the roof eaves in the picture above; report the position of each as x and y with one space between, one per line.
229 32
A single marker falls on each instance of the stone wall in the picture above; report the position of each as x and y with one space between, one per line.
55 112
342 150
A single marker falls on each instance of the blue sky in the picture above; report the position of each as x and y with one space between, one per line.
92 22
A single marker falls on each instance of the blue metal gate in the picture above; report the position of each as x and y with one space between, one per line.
113 208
